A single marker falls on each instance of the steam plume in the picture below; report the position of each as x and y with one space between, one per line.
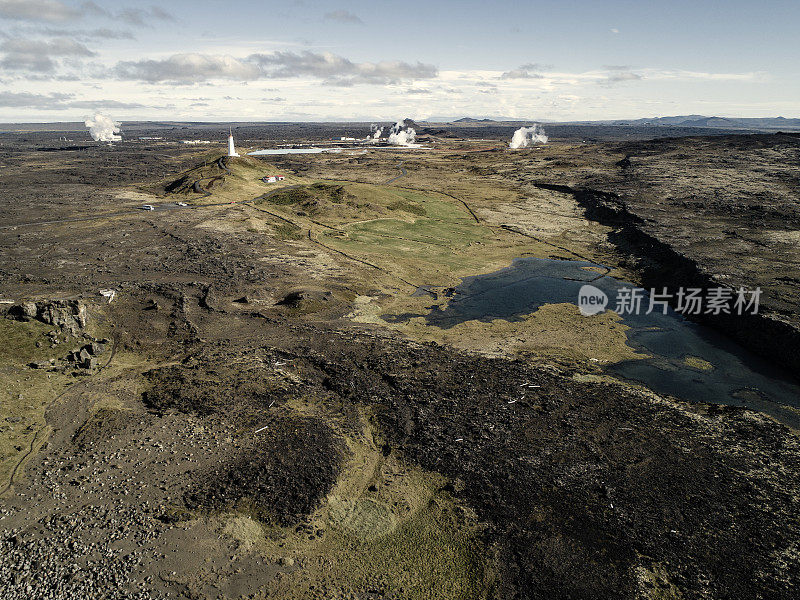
375 131
401 135
103 128
528 136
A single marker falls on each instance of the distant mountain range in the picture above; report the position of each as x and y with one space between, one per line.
471 120
468 120
715 122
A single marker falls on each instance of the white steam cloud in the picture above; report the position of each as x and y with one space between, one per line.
528 136
401 135
375 132
103 128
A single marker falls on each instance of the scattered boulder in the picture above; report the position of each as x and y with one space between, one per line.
85 357
28 310
24 311
49 365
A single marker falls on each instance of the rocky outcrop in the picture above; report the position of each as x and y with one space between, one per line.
69 316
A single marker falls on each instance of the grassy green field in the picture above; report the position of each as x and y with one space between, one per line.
424 237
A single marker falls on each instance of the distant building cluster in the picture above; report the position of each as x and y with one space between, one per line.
273 178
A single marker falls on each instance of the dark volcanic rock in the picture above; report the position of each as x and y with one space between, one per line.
283 475
707 213
300 298
590 491
207 389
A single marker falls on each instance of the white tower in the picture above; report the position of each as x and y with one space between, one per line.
231 147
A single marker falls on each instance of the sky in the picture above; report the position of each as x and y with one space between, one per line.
378 60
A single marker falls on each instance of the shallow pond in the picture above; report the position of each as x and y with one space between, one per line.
726 373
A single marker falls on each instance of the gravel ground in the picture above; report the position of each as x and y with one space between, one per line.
51 559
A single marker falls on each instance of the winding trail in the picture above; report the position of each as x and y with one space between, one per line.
467 206
403 173
363 262
222 165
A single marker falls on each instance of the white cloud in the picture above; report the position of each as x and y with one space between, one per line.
56 101
337 70
39 101
688 75
526 71
37 10
343 16
619 74
285 85
187 68
101 33
331 68
56 11
520 74
37 55
142 17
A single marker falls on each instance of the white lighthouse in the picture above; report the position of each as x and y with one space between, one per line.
231 147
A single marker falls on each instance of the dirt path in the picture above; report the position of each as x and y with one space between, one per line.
403 173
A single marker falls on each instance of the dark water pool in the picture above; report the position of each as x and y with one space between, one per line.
738 377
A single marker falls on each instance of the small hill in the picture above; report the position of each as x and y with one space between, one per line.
225 178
